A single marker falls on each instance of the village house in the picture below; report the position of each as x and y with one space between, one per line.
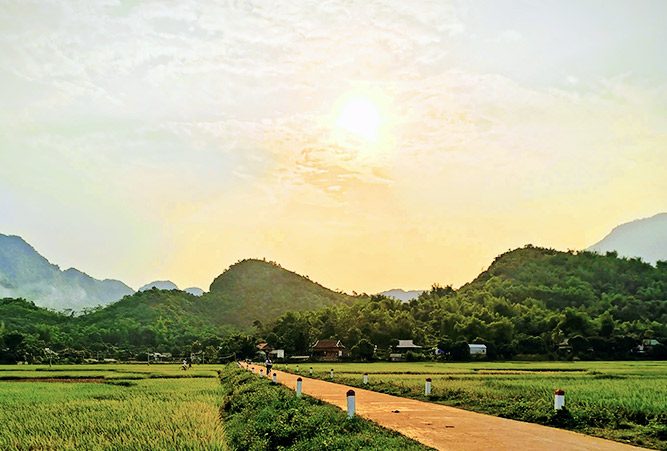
477 350
401 348
328 350
264 349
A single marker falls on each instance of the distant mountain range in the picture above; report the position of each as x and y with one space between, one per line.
159 285
250 289
169 285
645 238
402 295
25 273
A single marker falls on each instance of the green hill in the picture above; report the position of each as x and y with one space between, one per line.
527 302
258 290
631 288
249 290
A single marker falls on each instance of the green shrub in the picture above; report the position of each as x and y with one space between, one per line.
259 415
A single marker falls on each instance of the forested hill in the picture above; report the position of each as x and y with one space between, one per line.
253 290
248 291
531 301
567 279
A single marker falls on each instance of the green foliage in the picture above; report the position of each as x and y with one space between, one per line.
261 416
258 290
618 400
531 302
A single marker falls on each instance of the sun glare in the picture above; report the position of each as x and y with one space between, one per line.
360 117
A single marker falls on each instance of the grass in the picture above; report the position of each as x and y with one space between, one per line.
259 415
623 401
129 407
136 407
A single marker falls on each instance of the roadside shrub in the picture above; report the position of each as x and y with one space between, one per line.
259 415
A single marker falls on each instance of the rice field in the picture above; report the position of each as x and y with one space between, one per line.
110 407
623 401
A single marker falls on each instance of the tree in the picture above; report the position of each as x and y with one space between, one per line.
364 350
460 351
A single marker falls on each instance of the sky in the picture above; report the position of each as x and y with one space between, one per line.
367 144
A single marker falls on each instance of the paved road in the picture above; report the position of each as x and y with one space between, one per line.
448 428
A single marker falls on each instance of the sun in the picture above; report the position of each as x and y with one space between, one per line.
360 117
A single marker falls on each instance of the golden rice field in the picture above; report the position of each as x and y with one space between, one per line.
111 407
623 401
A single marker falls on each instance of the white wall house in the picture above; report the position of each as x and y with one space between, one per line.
477 350
278 353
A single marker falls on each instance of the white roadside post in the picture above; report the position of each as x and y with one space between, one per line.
261 372
253 369
297 368
427 387
331 373
299 383
365 378
275 377
559 399
351 407
311 370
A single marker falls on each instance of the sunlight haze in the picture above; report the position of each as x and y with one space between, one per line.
369 145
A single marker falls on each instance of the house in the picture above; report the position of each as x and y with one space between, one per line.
402 347
277 353
646 346
477 350
264 348
328 350
406 345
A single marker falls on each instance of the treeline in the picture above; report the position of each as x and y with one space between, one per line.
531 303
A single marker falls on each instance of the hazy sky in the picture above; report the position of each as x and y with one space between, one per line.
369 145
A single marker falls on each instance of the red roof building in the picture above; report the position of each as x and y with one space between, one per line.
328 350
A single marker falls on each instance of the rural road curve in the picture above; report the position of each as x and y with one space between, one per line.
449 428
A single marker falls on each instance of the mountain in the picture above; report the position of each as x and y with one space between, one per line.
527 302
195 291
402 295
645 238
26 274
258 290
159 285
574 279
249 290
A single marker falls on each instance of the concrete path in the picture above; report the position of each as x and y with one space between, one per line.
449 428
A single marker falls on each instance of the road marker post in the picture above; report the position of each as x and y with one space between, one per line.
331 374
351 404
559 399
299 383
261 372
427 387
275 377
365 378
311 370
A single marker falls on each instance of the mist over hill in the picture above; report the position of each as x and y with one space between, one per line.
402 295
195 291
645 238
159 285
27 274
